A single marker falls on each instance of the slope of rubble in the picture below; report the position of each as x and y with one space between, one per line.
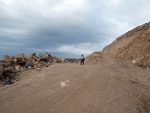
133 46
10 65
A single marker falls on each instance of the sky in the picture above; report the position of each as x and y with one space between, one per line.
66 28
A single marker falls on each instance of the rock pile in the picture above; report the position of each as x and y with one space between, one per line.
133 46
9 65
94 57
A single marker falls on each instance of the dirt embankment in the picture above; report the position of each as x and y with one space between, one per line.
94 57
133 46
110 86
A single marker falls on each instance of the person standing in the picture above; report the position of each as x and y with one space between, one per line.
82 59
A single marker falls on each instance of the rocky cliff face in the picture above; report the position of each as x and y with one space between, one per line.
132 46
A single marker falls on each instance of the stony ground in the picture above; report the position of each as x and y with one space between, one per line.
110 86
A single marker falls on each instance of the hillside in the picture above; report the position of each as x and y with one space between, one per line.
133 46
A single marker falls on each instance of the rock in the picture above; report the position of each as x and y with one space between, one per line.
35 66
39 65
36 58
21 69
1 69
44 58
55 59
29 63
35 63
41 55
18 68
15 61
12 57
46 65
6 57
133 61
30 56
7 63
38 69
49 57
29 67
23 62
20 57
8 82
47 54
33 60
9 69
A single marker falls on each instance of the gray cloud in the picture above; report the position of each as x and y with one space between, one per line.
66 28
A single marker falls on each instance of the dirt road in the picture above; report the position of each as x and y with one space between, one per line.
110 86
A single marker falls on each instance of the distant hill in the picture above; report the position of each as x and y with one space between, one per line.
132 46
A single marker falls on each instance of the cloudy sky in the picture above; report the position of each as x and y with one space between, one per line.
66 28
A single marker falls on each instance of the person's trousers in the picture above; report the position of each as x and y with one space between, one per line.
82 61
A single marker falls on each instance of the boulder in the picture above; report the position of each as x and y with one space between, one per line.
39 65
15 61
49 57
29 62
35 66
41 55
23 62
18 68
20 57
30 56
36 58
54 59
35 63
38 69
12 57
47 54
6 57
29 67
33 60
44 58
